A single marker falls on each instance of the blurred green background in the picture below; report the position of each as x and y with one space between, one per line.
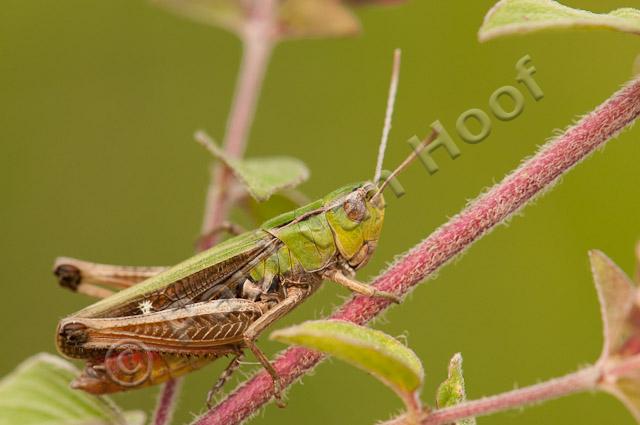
99 102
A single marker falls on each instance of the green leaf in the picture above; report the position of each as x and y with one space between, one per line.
264 176
261 177
451 391
620 311
510 17
316 18
627 390
616 293
38 392
293 18
373 351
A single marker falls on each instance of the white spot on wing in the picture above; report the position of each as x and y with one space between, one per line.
145 307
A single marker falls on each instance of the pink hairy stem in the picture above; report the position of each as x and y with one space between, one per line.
532 178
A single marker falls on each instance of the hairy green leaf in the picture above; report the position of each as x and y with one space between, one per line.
261 177
451 391
510 17
38 392
616 293
264 176
316 18
619 302
627 390
373 351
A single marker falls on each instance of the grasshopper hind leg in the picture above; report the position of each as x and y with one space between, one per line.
224 377
70 277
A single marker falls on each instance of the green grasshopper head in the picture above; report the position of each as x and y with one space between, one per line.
355 214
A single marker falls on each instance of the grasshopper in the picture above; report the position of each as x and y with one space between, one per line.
157 323
217 302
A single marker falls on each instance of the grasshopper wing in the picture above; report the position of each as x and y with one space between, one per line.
209 275
196 329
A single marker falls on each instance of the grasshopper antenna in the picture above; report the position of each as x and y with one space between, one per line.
406 162
391 100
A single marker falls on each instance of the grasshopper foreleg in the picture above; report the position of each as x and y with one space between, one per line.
358 287
93 279
224 377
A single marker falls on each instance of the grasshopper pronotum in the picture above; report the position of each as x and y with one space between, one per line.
166 322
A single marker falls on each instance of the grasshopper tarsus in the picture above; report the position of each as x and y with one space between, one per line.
388 295
277 391
279 400
353 285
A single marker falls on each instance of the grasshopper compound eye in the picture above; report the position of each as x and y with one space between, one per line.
355 207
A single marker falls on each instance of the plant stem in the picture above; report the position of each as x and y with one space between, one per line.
621 368
582 380
166 402
532 178
414 408
258 40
